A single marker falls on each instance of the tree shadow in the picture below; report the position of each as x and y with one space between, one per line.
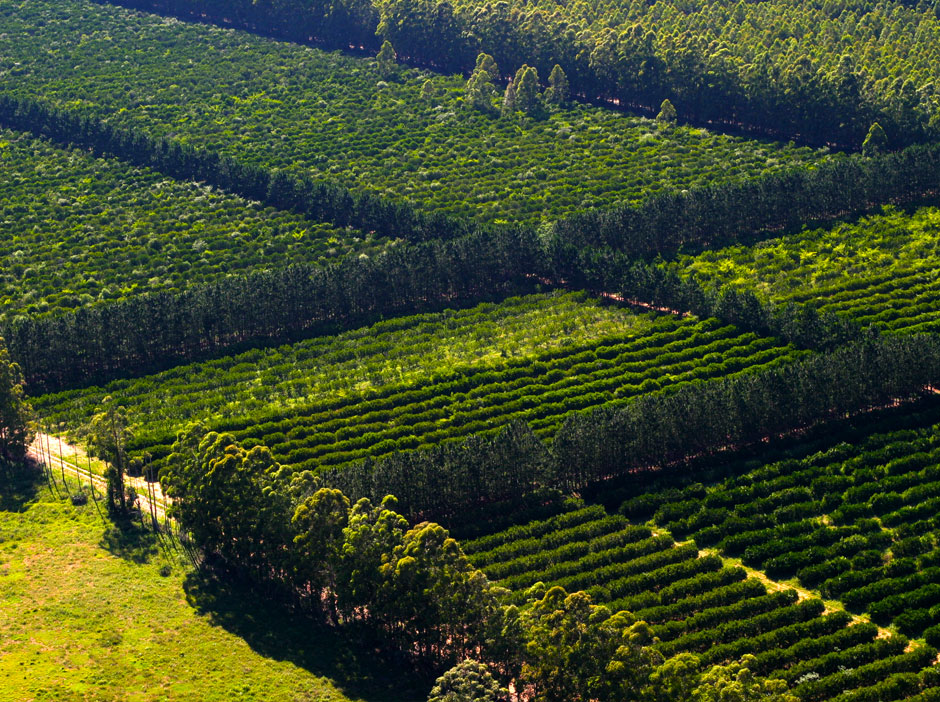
19 486
130 541
353 662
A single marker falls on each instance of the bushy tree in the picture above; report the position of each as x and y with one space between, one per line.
578 651
737 683
469 681
558 88
386 60
667 113
17 428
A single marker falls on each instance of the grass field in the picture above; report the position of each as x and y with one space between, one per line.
88 615
335 117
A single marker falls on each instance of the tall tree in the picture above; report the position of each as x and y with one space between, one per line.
108 435
876 141
386 59
527 90
16 414
509 99
558 88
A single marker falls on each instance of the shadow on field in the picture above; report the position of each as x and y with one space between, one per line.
19 485
129 540
355 666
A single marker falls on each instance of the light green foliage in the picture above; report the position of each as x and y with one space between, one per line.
16 414
330 116
486 63
480 91
395 351
879 270
401 406
385 60
578 651
79 229
468 681
737 683
508 107
667 113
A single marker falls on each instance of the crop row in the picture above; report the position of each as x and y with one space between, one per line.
858 521
79 230
480 399
338 118
263 383
696 604
881 270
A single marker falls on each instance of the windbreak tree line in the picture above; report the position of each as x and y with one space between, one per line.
763 73
652 430
363 565
458 261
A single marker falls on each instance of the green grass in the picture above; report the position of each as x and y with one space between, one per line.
86 615
334 117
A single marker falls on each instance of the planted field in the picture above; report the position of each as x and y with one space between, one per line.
78 230
87 613
696 603
353 397
857 521
335 117
883 270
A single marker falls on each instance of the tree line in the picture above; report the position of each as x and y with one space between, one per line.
651 431
318 201
637 64
363 565
451 261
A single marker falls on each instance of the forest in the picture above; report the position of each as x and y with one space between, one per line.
458 351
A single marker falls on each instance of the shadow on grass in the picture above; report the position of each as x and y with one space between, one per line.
353 663
129 540
19 485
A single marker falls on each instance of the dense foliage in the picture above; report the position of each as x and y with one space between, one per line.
79 230
338 118
17 426
880 270
822 71
257 385
858 521
695 604
453 401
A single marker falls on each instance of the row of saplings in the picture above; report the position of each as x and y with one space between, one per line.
364 565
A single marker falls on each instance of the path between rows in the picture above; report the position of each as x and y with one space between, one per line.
45 448
802 593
